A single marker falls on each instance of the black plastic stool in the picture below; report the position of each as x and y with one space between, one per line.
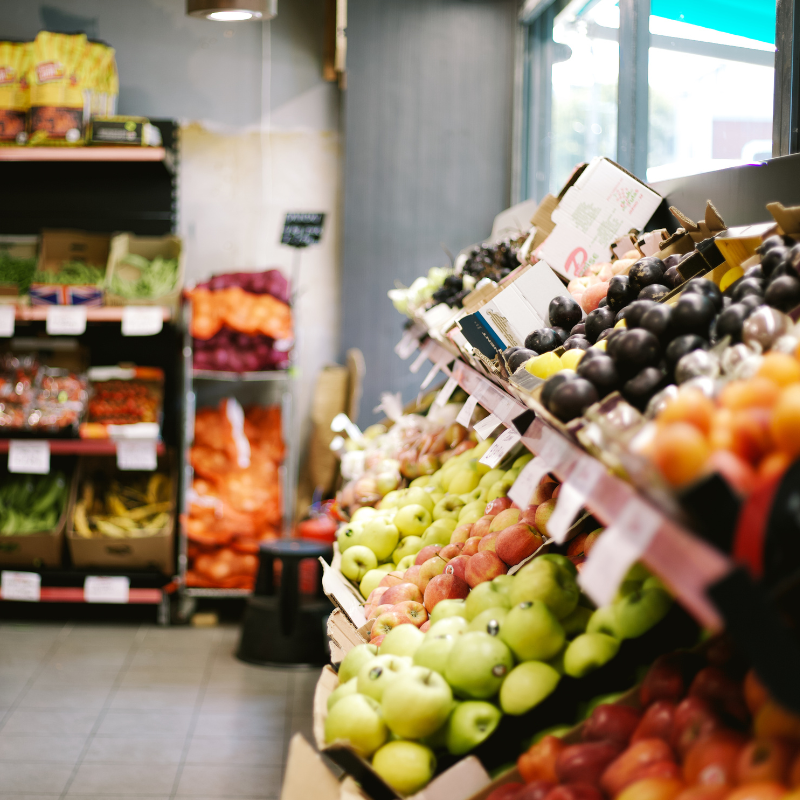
287 628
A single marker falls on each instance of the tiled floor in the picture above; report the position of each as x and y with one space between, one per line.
135 712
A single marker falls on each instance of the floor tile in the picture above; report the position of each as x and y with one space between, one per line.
135 750
143 698
63 697
75 675
229 750
145 723
251 700
229 781
50 723
105 780
153 677
15 796
32 778
49 749
240 724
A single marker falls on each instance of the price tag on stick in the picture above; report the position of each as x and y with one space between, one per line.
66 320
418 362
97 589
7 317
485 427
522 490
467 410
407 345
495 454
24 586
137 454
28 458
446 392
142 320
571 497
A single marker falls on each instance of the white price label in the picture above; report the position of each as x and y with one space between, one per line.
7 317
495 454
29 458
142 320
467 410
507 409
407 345
429 377
25 586
617 550
571 497
446 392
98 589
554 448
485 427
66 320
522 490
137 454
418 362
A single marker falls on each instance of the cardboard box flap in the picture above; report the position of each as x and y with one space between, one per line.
342 595
788 219
306 774
711 225
460 782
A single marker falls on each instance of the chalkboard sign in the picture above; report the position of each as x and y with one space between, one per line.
301 230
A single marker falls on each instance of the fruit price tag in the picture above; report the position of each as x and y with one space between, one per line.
446 392
142 320
467 410
7 315
407 345
418 362
24 586
66 320
554 448
97 589
571 497
29 458
522 490
617 550
137 454
485 427
495 454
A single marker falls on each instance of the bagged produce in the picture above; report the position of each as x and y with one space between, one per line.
14 89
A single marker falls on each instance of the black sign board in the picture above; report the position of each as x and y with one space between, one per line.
301 230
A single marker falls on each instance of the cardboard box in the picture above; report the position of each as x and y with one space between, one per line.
306 775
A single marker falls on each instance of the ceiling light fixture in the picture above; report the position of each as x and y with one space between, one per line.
232 10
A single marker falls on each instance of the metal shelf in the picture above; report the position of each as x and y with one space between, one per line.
72 594
93 314
78 447
196 591
235 377
82 153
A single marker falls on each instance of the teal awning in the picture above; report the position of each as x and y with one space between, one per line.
754 19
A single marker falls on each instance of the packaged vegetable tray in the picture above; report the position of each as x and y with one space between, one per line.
144 271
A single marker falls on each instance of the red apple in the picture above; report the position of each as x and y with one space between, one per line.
543 513
538 763
574 791
713 759
693 720
444 587
489 542
458 567
508 791
656 722
590 541
411 575
704 792
494 507
471 546
376 611
516 543
537 790
483 567
556 492
723 693
425 627
544 491
663 681
657 788
391 579
377 640
415 612
461 534
429 551
505 519
623 770
376 594
575 546
433 566
401 592
481 526
765 760
388 620
451 551
755 695
610 722
528 516
759 791
585 763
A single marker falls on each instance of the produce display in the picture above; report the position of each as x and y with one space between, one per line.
16 272
123 505
242 322
149 279
124 402
235 499
72 273
32 503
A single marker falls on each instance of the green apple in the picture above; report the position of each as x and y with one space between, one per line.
526 686
449 626
604 620
436 536
370 581
417 496
448 506
486 595
390 500
477 665
363 514
434 652
354 660
379 672
347 535
471 723
489 621
381 536
560 561
478 451
402 640
409 546
448 608
436 496
636 613
653 583
406 561
532 632
522 461
357 561
544 580
490 478
417 704
422 481
499 489
587 652
389 566
471 512
342 690
557 662
577 621
476 494
412 520
406 766
465 480
357 721
638 572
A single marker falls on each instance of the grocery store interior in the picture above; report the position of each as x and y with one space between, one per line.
400 399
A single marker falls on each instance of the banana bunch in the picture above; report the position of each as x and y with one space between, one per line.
138 508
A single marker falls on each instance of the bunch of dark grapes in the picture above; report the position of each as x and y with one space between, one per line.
452 292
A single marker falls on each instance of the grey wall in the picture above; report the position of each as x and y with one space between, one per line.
428 112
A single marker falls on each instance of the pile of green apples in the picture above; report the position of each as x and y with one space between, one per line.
500 650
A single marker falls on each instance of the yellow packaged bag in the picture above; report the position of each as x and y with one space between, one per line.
57 101
90 76
14 90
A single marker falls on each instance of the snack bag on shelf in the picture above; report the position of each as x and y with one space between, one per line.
14 90
90 76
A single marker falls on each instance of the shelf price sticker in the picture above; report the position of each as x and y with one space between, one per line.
485 427
446 392
23 586
617 550
28 457
418 362
66 320
407 345
440 365
101 589
7 317
495 454
572 496
137 454
467 410
523 488
142 320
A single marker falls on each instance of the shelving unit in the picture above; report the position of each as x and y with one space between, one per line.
83 154
80 447
94 314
